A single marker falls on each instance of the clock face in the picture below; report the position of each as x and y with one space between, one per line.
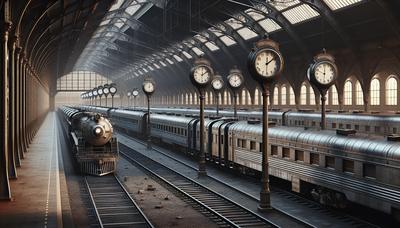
235 81
267 63
217 84
149 87
135 93
325 73
113 90
106 91
202 75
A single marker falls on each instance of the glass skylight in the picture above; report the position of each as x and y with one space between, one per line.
187 55
105 22
255 15
116 5
197 51
247 33
163 64
282 6
156 65
338 4
200 38
132 9
269 25
211 46
227 41
169 61
235 24
300 13
179 59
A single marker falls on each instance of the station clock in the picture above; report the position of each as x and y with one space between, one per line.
148 86
323 71
217 83
235 78
201 73
265 62
135 93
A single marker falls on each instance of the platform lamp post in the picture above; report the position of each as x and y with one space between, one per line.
323 73
94 94
135 93
148 88
201 75
91 97
106 91
265 64
100 93
235 82
113 91
129 94
217 85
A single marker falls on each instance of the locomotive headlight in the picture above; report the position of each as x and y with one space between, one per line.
98 131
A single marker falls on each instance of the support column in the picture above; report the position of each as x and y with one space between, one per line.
19 152
5 192
12 169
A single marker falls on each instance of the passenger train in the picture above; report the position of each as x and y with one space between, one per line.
331 167
92 142
382 124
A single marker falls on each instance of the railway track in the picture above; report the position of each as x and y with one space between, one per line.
225 212
113 205
340 216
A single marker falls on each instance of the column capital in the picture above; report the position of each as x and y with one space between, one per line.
7 26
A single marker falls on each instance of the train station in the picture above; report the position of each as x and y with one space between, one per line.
200 113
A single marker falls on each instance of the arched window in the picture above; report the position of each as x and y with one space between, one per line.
292 97
206 98
391 91
375 92
276 96
211 99
248 98
229 98
303 95
225 98
243 98
187 99
359 94
334 96
190 98
256 97
283 95
348 93
312 96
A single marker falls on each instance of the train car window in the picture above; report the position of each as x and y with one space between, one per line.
302 122
285 152
314 159
295 122
340 125
348 126
252 145
313 123
369 170
377 129
394 130
185 132
221 139
329 162
239 143
299 155
333 125
367 128
244 143
274 150
261 147
357 127
348 166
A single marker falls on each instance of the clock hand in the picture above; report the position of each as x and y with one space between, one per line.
270 61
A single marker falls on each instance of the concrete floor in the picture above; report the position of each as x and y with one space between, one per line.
40 197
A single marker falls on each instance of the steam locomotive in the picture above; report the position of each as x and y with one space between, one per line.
93 144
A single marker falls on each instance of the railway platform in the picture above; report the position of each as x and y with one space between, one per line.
40 196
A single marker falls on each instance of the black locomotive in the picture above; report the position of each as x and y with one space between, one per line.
92 141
